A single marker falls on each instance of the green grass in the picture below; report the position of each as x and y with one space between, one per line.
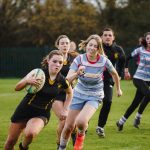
129 139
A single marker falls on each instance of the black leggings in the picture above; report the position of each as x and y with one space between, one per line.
107 101
142 97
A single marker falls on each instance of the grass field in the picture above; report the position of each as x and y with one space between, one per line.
129 139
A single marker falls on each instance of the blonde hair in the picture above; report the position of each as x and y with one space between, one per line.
44 63
83 44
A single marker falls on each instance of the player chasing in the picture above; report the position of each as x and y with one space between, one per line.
88 92
33 112
141 81
116 55
63 45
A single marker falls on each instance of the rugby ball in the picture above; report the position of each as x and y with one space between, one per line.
37 73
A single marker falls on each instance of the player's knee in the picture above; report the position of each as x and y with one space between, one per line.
62 123
10 143
107 104
81 123
69 128
30 134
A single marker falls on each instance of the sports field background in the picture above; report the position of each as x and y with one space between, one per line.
129 139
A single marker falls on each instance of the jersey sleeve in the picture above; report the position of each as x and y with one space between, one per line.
136 52
76 63
121 61
109 65
64 82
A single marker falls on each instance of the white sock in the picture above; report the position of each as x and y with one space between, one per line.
138 116
63 142
81 132
122 120
101 128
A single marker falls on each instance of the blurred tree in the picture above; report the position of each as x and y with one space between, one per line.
82 20
132 22
99 5
38 23
128 18
13 17
46 23
53 18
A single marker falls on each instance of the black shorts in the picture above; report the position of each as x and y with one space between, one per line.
61 96
25 112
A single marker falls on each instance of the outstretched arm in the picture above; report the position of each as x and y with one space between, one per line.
121 62
69 95
117 81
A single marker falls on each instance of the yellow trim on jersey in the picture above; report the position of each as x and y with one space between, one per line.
59 86
31 99
116 55
51 101
65 62
67 83
51 82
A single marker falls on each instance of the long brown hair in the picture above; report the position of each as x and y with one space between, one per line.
44 63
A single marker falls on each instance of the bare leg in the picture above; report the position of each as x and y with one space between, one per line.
70 123
80 118
84 117
82 125
33 127
15 130
57 108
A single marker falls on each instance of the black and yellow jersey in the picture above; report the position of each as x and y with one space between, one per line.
66 65
117 57
44 98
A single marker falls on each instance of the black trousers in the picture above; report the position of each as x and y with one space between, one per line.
142 97
107 101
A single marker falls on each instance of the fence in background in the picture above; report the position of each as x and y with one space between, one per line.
17 62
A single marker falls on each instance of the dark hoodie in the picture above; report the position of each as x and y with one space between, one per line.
116 55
